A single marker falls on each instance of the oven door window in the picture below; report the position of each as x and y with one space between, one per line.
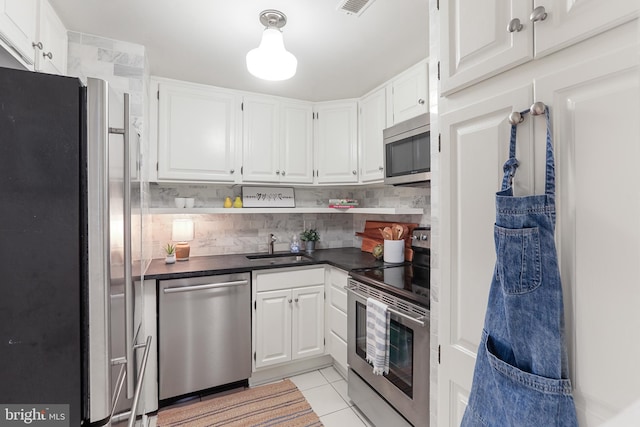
400 351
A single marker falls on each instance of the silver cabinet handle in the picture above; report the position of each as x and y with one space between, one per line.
380 168
48 55
515 26
277 172
355 172
296 300
203 287
289 301
421 101
232 171
36 45
538 14
283 173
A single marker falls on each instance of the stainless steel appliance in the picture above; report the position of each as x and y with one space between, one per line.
204 333
400 397
407 152
65 208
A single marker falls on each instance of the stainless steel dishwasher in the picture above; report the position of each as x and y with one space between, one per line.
204 331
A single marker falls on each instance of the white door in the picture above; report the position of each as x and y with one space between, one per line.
260 139
273 327
296 142
336 142
476 43
18 23
372 121
475 145
410 93
595 108
308 322
568 22
196 133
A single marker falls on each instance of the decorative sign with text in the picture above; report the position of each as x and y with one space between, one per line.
268 197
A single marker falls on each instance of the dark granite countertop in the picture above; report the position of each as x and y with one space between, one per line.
344 258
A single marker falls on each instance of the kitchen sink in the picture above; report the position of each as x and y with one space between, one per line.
284 258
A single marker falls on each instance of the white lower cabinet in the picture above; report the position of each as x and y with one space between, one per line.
288 321
337 313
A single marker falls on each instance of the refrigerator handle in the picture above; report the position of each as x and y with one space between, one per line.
128 273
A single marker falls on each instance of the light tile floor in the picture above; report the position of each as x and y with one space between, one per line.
326 392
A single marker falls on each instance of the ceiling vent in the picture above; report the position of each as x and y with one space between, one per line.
354 7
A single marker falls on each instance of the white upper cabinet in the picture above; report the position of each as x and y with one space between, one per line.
482 39
52 36
277 140
18 26
568 22
336 142
409 93
371 123
197 132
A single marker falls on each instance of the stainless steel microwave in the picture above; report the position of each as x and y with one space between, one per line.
407 152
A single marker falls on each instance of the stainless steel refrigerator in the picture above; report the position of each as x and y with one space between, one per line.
65 249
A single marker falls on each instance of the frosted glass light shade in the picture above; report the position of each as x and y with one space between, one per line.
270 60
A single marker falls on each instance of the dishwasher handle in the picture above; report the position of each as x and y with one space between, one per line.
206 286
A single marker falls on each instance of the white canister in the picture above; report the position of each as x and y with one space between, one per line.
394 251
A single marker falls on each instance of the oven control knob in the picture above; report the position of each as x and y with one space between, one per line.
423 237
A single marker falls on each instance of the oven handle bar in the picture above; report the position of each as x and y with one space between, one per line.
419 320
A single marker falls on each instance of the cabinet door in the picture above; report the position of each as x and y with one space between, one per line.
296 142
53 35
410 93
261 158
568 22
476 43
196 133
273 327
372 121
336 142
475 145
308 322
594 107
18 22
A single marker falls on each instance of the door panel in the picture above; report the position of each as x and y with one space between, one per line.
296 143
475 144
475 41
273 327
260 140
599 245
308 321
568 22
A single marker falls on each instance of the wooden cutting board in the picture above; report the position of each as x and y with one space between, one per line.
371 236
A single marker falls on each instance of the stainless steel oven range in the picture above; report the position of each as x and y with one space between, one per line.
401 397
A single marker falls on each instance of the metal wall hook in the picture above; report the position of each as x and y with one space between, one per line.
516 118
537 109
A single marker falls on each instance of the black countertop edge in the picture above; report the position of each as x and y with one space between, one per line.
344 258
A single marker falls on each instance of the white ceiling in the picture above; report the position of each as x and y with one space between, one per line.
205 41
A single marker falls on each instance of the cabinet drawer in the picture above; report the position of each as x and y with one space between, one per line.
285 278
338 322
339 298
338 349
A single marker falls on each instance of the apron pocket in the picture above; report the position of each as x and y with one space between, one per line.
518 263
529 399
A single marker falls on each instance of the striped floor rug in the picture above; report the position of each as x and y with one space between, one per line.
280 404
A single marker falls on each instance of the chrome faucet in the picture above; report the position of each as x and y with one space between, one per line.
270 242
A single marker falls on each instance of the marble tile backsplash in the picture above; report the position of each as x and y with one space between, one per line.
244 233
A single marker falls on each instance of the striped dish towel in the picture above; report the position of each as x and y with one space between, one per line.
378 320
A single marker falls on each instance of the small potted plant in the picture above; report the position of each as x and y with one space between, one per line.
170 251
310 237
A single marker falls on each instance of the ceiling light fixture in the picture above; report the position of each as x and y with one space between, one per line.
270 60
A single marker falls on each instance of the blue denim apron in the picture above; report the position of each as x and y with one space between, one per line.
521 372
